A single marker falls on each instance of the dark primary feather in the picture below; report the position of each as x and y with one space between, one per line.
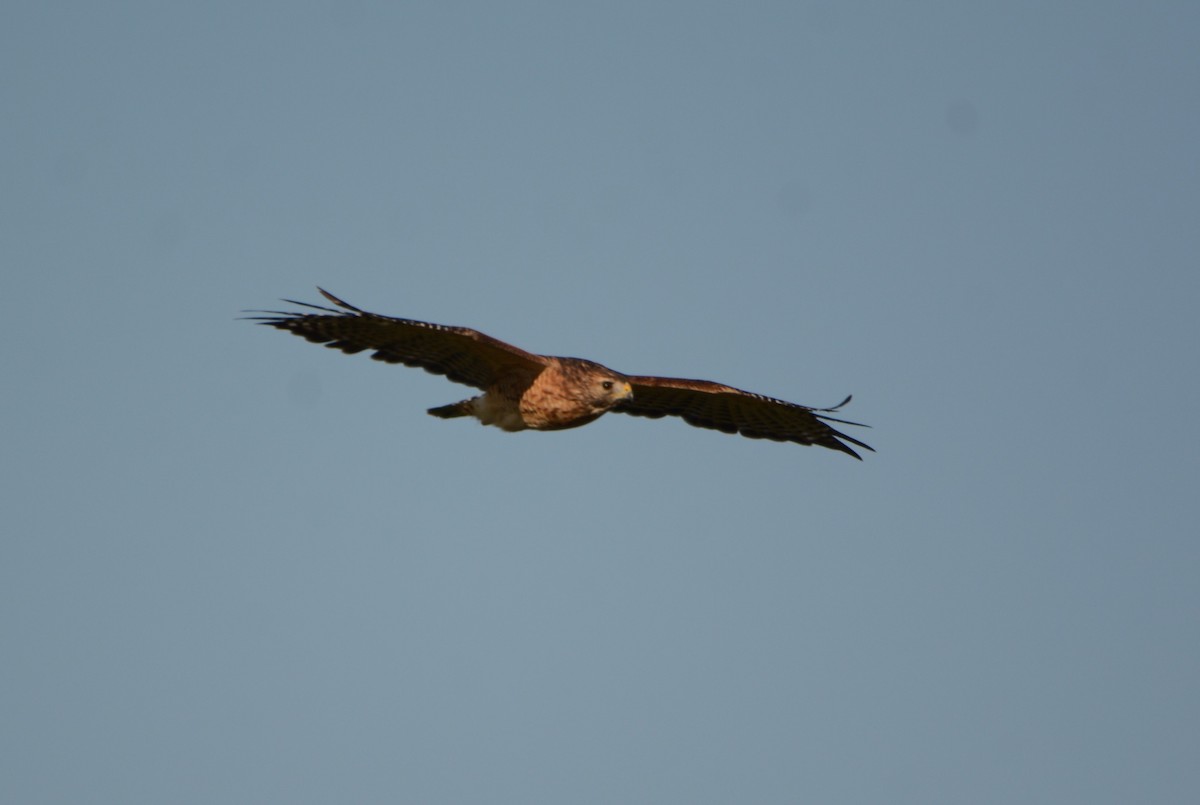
705 404
461 354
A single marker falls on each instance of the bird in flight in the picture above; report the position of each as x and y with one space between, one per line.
522 390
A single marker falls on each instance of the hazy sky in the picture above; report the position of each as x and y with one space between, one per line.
237 567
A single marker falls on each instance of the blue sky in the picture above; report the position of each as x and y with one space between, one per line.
237 567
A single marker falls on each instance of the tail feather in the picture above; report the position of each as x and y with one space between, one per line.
452 410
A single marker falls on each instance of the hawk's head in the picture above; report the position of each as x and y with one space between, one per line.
608 391
596 386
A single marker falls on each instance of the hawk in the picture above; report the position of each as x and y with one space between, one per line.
522 390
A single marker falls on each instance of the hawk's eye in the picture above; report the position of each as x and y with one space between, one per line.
607 384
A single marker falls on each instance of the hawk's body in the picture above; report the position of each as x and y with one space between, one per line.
566 393
523 390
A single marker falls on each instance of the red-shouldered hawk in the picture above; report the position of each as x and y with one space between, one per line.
522 390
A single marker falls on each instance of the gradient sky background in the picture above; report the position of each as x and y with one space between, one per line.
240 568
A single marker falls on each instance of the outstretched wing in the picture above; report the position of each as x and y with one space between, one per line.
461 354
729 410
